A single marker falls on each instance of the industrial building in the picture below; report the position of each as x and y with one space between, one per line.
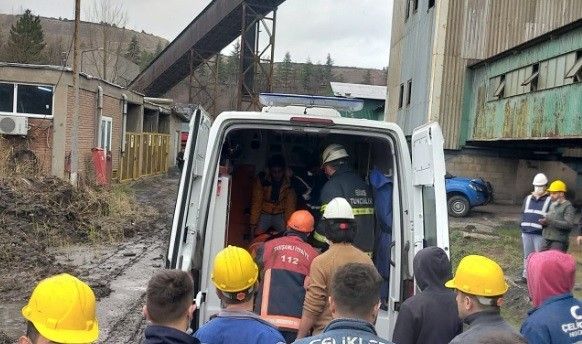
374 98
140 136
502 79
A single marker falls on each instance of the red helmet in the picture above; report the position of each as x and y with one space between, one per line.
301 221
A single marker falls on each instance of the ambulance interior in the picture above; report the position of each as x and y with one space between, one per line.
245 153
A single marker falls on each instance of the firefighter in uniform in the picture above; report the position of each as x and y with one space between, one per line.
284 264
535 207
344 183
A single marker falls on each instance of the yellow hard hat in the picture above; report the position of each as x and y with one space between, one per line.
62 308
479 276
557 186
234 270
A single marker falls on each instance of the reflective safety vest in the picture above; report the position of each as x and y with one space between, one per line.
347 184
286 262
534 210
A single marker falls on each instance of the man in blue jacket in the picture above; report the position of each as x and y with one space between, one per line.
354 305
557 316
235 275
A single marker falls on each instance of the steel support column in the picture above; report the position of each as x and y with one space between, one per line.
256 56
202 89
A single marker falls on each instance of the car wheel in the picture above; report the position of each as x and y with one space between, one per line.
458 206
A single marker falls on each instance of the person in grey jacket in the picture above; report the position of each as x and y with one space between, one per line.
354 304
559 221
417 321
480 285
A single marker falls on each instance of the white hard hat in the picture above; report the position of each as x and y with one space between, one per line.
333 152
540 180
338 208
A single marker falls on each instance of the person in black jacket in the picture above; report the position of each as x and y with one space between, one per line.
169 308
430 316
345 183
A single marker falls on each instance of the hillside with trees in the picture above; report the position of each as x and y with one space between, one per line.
111 52
108 49
303 77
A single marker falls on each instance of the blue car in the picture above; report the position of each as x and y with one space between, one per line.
464 194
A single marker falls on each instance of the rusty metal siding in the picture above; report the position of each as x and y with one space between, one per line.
476 29
553 111
479 29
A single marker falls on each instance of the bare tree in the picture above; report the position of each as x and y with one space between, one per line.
107 42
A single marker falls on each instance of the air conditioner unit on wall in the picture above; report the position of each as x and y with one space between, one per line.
13 125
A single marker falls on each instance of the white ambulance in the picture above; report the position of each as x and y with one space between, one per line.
223 156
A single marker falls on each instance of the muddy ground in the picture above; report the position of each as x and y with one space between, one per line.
494 231
118 271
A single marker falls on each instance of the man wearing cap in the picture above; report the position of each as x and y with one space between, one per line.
284 264
61 309
559 221
480 286
535 207
344 183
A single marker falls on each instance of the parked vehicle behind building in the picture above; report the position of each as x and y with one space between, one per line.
213 198
463 194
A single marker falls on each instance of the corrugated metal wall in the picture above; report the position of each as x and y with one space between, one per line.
492 26
453 77
478 29
410 60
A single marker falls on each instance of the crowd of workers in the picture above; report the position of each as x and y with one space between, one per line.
286 290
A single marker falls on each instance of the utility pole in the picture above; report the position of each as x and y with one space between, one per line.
75 131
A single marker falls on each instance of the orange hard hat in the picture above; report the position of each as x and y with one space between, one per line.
301 221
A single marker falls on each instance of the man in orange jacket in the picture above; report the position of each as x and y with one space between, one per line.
273 199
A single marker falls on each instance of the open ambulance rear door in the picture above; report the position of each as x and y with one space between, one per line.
186 226
431 222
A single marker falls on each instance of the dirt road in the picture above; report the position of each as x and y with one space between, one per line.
118 273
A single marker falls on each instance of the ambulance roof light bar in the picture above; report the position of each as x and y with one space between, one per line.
340 104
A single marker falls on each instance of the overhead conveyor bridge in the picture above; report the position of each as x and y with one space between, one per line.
219 24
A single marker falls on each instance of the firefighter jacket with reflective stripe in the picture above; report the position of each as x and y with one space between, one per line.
267 200
533 210
345 183
285 264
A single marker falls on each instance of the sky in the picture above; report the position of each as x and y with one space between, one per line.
354 32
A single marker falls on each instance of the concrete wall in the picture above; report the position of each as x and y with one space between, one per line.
511 178
500 172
